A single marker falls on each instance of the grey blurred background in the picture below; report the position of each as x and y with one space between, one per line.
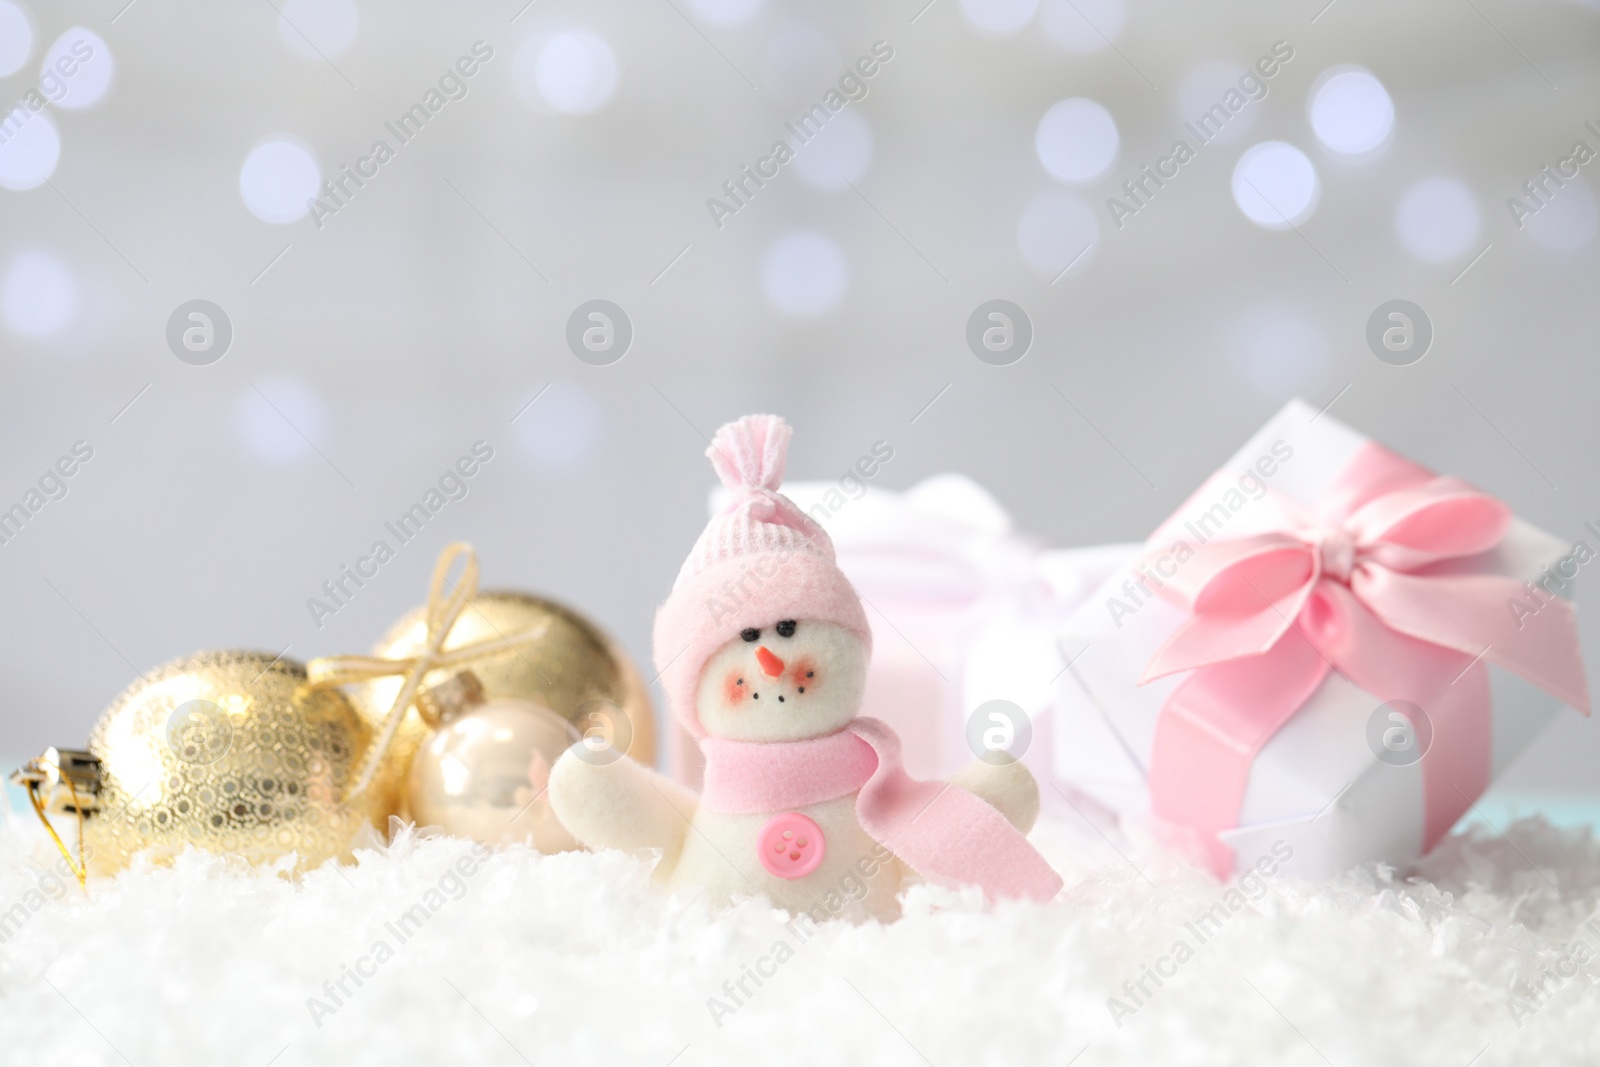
373 345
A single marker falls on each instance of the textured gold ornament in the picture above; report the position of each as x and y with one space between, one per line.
573 669
484 770
232 752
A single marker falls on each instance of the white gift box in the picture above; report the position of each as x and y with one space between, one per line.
1318 784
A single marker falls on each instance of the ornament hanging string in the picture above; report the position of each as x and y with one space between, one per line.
31 777
444 608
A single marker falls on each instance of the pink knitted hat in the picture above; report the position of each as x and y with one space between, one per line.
762 560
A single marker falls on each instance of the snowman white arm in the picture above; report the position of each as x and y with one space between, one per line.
1009 788
621 805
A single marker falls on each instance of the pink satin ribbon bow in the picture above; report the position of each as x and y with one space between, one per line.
1364 583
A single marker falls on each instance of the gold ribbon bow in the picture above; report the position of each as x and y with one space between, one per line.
329 672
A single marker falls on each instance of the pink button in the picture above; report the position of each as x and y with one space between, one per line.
791 845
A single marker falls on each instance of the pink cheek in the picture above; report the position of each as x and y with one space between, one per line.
803 677
734 690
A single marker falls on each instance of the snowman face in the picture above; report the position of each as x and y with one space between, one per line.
791 681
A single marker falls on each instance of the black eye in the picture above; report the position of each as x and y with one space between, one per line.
751 634
786 628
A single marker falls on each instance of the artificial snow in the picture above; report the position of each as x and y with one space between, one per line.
425 952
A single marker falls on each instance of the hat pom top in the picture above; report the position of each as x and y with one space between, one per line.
749 453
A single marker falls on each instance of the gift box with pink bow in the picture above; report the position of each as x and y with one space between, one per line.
1327 647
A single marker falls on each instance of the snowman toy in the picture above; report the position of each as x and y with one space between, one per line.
763 649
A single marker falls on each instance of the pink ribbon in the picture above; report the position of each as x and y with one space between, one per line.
939 830
1363 583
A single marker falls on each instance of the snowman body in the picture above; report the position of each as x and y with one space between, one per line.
795 681
856 878
763 647
791 681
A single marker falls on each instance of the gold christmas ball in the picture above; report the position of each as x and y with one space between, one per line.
234 753
483 774
575 670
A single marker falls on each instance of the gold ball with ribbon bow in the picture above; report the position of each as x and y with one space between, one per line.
518 647
232 752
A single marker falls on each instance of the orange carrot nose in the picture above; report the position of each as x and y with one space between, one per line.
771 665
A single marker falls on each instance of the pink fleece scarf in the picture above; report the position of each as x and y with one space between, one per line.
943 832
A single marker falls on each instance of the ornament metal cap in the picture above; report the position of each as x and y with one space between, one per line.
66 780
63 781
445 701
